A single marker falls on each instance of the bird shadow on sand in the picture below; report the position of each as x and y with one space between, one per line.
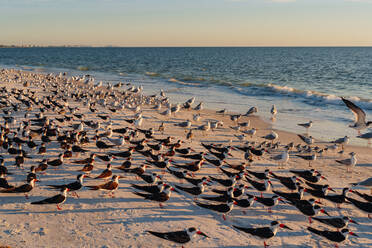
144 219
363 165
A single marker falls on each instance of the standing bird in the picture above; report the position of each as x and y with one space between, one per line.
107 173
110 186
364 206
306 125
271 136
25 188
224 208
263 232
337 222
180 237
349 162
57 199
273 111
281 159
74 186
309 158
360 122
342 141
56 162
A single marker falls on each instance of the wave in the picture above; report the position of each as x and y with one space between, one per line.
173 80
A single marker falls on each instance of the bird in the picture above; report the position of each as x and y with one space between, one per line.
155 188
366 183
306 125
105 174
309 158
180 237
288 182
262 187
335 236
196 190
367 136
25 188
363 195
338 199
360 122
259 175
273 110
268 201
308 140
56 162
342 141
74 186
4 183
223 208
160 197
349 162
57 199
337 222
271 136
364 206
289 196
307 208
110 186
263 232
281 158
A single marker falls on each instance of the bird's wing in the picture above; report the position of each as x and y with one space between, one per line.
360 115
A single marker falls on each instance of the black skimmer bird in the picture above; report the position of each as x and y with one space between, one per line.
138 170
102 145
106 158
224 208
56 162
32 174
193 166
74 186
184 151
196 190
124 154
42 149
224 197
160 197
338 199
238 190
42 166
153 189
149 178
262 187
268 201
180 237
322 193
337 222
307 208
105 174
259 175
25 188
215 162
264 232
110 186
4 183
225 182
288 182
360 116
334 236
179 174
246 201
196 181
364 206
363 195
196 156
86 160
312 176
57 199
296 196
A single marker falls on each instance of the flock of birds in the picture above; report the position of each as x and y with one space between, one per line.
36 121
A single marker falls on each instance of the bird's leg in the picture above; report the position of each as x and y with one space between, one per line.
369 216
261 194
224 216
244 212
310 221
265 245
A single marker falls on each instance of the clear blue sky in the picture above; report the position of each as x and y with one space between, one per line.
187 22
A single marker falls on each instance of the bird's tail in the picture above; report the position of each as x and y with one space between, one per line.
160 235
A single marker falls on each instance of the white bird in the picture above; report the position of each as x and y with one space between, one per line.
308 140
138 122
349 162
185 124
282 158
360 116
306 125
271 136
240 137
119 142
250 132
342 141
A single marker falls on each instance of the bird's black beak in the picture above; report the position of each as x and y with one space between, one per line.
351 233
202 234
284 226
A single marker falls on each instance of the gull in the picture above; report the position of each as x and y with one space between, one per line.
240 137
308 140
244 124
205 127
196 117
306 125
235 117
215 124
349 162
282 158
237 128
119 142
367 136
185 124
309 158
250 132
167 112
251 111
272 136
360 116
223 112
199 106
176 108
273 110
342 141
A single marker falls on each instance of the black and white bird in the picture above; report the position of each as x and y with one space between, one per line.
360 122
180 237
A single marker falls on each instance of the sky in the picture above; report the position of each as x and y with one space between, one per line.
186 22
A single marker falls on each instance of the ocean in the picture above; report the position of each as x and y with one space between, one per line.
305 83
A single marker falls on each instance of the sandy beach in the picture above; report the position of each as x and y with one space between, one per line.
95 220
